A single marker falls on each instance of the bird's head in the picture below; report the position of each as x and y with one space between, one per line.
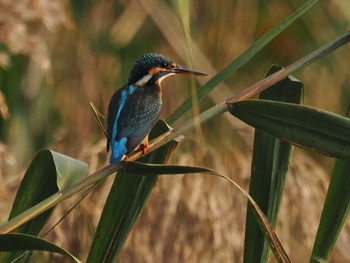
153 68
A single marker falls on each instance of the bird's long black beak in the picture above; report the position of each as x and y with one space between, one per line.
179 69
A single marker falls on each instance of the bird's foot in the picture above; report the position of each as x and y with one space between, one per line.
144 148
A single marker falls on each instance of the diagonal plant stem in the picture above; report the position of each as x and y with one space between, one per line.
252 90
237 63
169 136
283 73
58 197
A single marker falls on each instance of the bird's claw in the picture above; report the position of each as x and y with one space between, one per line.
144 148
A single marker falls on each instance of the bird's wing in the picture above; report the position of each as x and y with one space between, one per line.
138 124
138 135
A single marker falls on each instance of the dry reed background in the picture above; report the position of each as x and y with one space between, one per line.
72 54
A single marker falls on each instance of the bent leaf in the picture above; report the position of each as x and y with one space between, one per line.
303 126
17 242
48 172
142 169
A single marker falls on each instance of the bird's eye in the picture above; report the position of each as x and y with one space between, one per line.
165 65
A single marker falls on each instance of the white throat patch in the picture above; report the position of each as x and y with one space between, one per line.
144 80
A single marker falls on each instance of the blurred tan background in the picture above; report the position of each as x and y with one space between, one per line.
57 56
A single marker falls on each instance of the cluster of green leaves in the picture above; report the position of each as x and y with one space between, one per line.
280 122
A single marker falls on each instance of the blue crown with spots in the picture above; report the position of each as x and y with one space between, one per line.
147 62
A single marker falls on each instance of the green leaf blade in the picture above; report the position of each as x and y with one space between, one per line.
269 168
334 213
18 242
125 202
42 181
48 172
307 127
37 185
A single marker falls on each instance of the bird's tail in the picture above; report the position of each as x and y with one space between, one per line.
118 151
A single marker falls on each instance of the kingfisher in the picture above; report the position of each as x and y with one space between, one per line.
135 108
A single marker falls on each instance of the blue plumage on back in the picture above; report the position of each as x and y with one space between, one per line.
119 146
135 108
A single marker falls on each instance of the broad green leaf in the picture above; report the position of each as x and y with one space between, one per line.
303 126
240 60
125 201
334 213
15 242
269 167
48 172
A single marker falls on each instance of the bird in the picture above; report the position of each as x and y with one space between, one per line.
135 108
